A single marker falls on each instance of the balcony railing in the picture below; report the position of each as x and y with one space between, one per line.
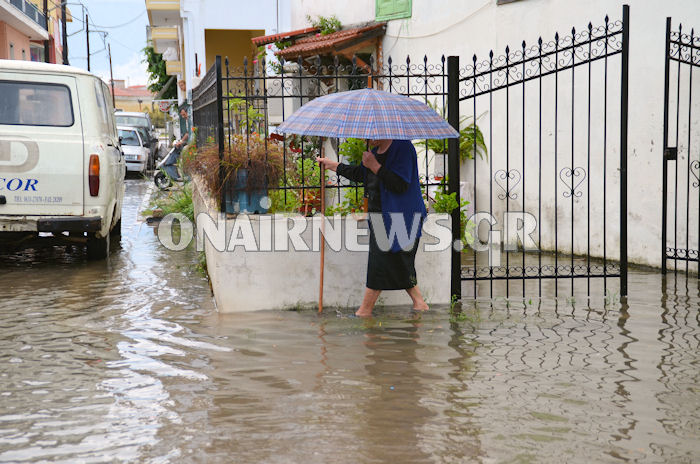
29 9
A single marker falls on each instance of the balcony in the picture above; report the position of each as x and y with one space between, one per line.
163 12
23 16
163 5
30 10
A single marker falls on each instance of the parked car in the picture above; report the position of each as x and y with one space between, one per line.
61 166
135 152
143 122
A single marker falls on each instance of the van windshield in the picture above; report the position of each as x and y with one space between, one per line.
132 121
35 104
129 138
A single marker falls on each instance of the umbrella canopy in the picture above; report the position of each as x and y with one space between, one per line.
368 114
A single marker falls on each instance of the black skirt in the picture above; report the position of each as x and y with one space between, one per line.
390 271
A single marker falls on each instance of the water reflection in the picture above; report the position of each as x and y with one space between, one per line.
129 361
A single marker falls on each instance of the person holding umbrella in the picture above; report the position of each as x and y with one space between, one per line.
390 174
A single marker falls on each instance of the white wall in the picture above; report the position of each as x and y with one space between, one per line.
465 28
199 15
259 280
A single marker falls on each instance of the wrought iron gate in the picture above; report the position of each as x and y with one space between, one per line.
680 232
553 179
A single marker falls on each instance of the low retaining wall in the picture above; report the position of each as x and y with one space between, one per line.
257 280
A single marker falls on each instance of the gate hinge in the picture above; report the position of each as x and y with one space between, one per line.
671 153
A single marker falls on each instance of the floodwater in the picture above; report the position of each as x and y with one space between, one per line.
128 361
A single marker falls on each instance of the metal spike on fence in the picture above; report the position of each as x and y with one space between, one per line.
408 62
245 65
556 37
539 42
389 61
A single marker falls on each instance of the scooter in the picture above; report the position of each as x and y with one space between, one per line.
167 170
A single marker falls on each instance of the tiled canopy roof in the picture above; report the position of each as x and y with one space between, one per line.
266 39
322 44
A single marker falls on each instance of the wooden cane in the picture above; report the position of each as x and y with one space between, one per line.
323 227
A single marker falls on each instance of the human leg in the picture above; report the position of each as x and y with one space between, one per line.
419 303
368 302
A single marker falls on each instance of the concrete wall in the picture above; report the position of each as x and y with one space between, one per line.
456 27
257 280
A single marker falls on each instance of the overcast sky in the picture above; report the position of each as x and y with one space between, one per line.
125 21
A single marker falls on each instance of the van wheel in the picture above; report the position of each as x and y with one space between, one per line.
97 248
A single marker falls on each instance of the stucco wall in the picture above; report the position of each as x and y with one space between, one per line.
455 27
10 35
258 280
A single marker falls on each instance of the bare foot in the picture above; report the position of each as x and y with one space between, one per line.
363 312
422 306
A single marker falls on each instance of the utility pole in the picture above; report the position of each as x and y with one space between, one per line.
64 33
47 49
87 39
111 76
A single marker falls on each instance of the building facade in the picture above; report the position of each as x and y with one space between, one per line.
191 33
31 30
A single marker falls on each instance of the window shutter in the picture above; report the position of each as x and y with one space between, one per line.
392 9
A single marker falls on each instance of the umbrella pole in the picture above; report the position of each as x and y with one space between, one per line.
323 227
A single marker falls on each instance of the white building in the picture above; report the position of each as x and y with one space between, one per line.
464 28
190 33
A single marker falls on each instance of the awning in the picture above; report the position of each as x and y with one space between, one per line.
337 42
266 39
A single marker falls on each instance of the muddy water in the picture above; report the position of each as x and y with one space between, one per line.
128 361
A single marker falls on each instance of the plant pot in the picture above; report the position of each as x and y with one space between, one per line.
241 200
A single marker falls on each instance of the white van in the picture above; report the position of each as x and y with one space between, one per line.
136 153
61 166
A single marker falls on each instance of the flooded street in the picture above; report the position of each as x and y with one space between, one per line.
129 361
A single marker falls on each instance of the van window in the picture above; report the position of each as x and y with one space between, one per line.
35 104
104 116
129 138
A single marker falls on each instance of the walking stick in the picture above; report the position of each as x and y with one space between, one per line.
323 227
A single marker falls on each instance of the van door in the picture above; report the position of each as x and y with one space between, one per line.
41 145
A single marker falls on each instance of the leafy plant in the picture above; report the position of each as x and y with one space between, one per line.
247 116
470 137
157 77
446 203
352 149
353 202
326 25
176 201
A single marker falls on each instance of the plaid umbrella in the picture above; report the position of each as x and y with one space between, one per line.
368 114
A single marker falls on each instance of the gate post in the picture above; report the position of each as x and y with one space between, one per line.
220 132
623 148
453 172
664 146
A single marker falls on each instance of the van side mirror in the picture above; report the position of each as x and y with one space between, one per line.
120 139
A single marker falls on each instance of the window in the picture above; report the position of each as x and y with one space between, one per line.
24 55
129 138
132 121
104 116
35 104
392 9
12 51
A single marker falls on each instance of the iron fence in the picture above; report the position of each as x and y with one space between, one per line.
681 166
552 144
557 145
257 96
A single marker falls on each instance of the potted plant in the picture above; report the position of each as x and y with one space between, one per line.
250 165
471 140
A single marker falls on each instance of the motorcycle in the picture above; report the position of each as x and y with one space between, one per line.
167 170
